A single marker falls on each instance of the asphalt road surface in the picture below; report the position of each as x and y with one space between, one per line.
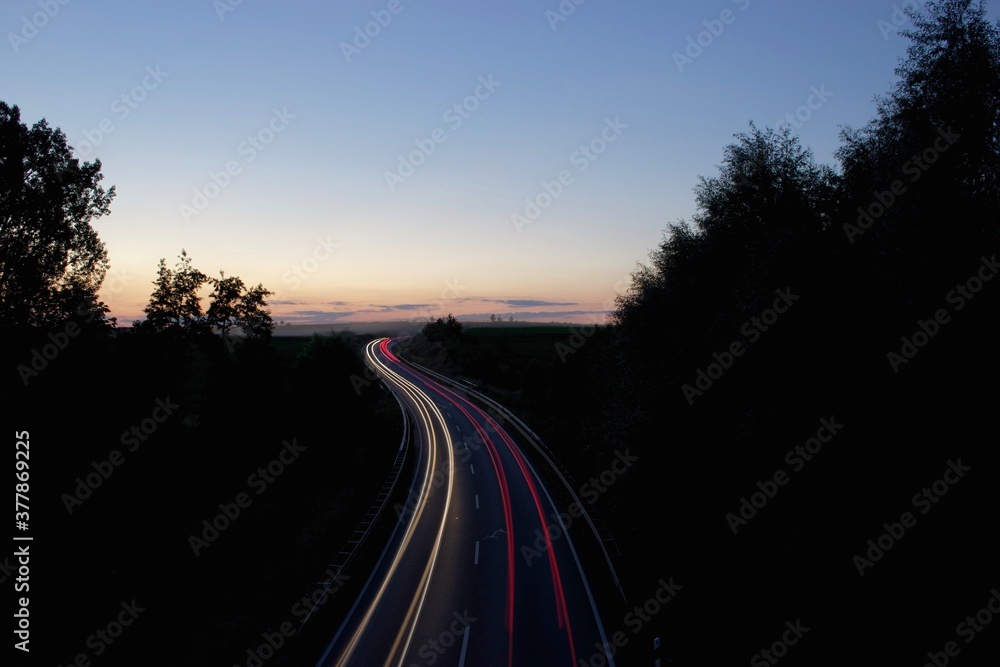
479 571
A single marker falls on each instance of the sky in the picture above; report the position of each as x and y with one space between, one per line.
406 159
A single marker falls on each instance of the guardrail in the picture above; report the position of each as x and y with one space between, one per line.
375 511
601 533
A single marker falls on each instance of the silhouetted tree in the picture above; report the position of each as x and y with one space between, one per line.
252 314
442 330
52 262
922 179
175 304
759 227
224 310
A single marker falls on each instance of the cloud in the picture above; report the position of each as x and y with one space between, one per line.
324 316
542 316
404 306
528 303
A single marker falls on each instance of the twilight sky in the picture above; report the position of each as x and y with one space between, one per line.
405 159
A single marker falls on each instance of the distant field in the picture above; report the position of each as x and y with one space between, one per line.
403 328
519 345
508 329
360 328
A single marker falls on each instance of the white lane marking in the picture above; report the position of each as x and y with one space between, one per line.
476 562
477 501
472 468
465 647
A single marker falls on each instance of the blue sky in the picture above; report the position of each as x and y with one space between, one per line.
406 159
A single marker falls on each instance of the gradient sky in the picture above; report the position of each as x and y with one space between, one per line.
300 116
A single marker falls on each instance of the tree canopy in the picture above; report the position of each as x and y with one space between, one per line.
52 262
443 329
922 178
176 303
913 200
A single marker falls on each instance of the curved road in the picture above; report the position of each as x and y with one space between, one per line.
479 571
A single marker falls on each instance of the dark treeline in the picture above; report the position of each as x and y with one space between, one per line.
805 370
140 443
186 480
855 305
825 338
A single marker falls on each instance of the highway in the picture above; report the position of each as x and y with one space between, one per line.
478 572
